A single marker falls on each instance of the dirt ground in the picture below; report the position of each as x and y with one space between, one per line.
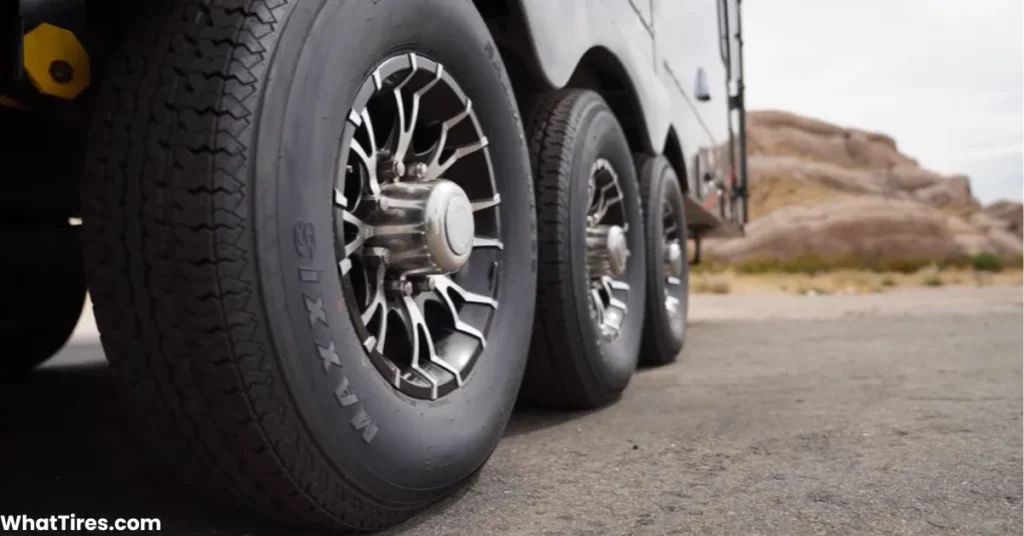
847 281
892 413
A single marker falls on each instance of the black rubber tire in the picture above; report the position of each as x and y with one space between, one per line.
215 139
43 298
664 334
569 366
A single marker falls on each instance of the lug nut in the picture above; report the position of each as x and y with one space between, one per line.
425 285
389 170
399 288
417 171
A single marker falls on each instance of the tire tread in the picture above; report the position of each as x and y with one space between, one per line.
170 258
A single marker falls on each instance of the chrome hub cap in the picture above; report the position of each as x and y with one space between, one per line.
607 250
417 226
426 227
674 259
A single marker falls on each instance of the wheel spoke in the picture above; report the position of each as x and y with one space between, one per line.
615 303
419 333
369 161
486 203
611 285
482 242
407 122
416 327
458 154
435 167
378 300
598 301
376 341
382 331
604 203
672 304
363 232
615 284
443 285
600 201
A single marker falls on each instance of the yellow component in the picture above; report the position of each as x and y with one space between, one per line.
56 62
11 103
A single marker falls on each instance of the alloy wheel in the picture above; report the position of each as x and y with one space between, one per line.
607 250
417 227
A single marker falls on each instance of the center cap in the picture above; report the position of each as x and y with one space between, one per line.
674 258
426 227
618 251
458 225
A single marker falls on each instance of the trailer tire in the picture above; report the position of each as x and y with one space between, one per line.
667 291
218 231
44 297
571 364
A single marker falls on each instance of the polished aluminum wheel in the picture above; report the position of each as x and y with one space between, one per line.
417 226
607 250
674 253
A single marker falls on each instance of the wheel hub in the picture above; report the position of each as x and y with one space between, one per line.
608 250
674 258
427 227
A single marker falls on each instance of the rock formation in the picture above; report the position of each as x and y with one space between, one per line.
821 189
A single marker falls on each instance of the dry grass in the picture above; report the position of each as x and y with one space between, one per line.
711 284
847 281
812 264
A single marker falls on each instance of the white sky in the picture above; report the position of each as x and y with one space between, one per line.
945 78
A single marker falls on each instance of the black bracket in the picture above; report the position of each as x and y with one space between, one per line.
12 29
696 250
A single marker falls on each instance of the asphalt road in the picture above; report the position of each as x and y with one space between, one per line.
885 414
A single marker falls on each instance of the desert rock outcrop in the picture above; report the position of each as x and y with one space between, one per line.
817 188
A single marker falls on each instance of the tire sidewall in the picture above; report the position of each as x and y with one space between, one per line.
419 447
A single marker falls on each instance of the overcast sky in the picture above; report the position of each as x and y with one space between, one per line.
945 78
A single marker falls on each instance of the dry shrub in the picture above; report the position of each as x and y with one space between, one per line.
709 284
